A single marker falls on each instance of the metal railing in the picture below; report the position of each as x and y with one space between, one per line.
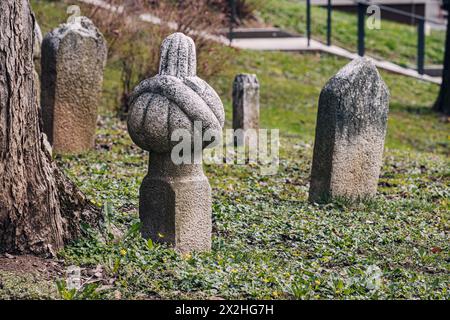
362 6
308 21
233 19
329 9
361 33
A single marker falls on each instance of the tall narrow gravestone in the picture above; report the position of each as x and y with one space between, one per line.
175 198
245 102
72 63
350 132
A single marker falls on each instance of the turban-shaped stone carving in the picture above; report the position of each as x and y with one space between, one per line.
175 198
173 99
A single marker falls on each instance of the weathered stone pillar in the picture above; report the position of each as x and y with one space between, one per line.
73 58
175 199
245 102
37 58
350 131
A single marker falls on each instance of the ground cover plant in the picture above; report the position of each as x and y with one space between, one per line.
268 241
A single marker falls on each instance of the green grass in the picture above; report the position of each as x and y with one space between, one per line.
394 41
268 241
49 14
14 286
290 87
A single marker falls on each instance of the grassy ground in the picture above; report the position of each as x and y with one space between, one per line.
268 241
394 42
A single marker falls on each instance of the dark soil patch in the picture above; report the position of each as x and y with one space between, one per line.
27 264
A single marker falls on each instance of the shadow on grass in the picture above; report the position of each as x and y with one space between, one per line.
345 203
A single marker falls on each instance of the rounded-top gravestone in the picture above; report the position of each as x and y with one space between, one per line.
350 131
73 59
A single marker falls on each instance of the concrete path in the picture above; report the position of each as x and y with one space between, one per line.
300 44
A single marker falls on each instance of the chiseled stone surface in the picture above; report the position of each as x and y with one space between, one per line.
37 57
73 59
245 102
175 200
350 132
37 41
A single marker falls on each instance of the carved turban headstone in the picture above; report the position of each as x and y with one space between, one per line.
175 199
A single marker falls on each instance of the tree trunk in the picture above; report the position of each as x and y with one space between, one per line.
40 209
443 102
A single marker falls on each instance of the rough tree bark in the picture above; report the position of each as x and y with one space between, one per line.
40 209
443 101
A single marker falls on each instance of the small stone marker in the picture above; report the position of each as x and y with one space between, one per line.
245 102
175 199
73 58
350 132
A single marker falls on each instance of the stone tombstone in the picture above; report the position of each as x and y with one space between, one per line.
175 199
245 102
350 132
73 59
37 43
